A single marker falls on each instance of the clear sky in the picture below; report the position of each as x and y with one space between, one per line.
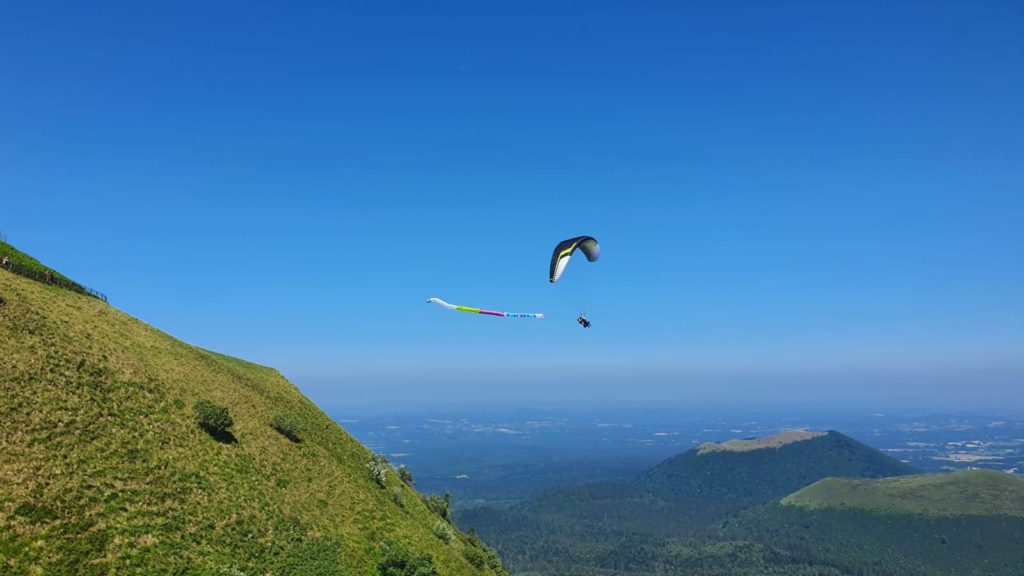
797 202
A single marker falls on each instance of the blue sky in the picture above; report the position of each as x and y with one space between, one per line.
799 202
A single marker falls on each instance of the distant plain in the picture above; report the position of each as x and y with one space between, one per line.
506 455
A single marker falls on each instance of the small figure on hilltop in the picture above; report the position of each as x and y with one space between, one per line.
6 263
48 276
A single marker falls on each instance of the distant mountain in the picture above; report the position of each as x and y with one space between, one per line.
739 473
688 493
125 451
667 520
963 523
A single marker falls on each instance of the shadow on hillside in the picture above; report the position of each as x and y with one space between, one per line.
222 436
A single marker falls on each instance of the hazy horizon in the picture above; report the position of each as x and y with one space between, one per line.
984 391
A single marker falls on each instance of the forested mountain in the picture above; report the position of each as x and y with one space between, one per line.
716 510
743 472
688 493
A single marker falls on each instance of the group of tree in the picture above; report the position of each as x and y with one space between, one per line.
717 513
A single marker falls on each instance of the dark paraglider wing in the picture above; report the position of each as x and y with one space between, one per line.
565 249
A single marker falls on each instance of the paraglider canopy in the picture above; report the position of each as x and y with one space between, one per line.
565 249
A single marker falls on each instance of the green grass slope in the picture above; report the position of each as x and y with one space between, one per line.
104 470
28 267
964 493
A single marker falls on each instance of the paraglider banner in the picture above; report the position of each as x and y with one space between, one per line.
448 306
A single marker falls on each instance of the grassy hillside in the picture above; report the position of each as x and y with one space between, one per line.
24 265
104 469
972 492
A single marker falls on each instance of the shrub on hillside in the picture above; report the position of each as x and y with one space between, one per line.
494 561
288 426
475 556
397 561
379 467
440 505
214 418
405 475
443 531
481 556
